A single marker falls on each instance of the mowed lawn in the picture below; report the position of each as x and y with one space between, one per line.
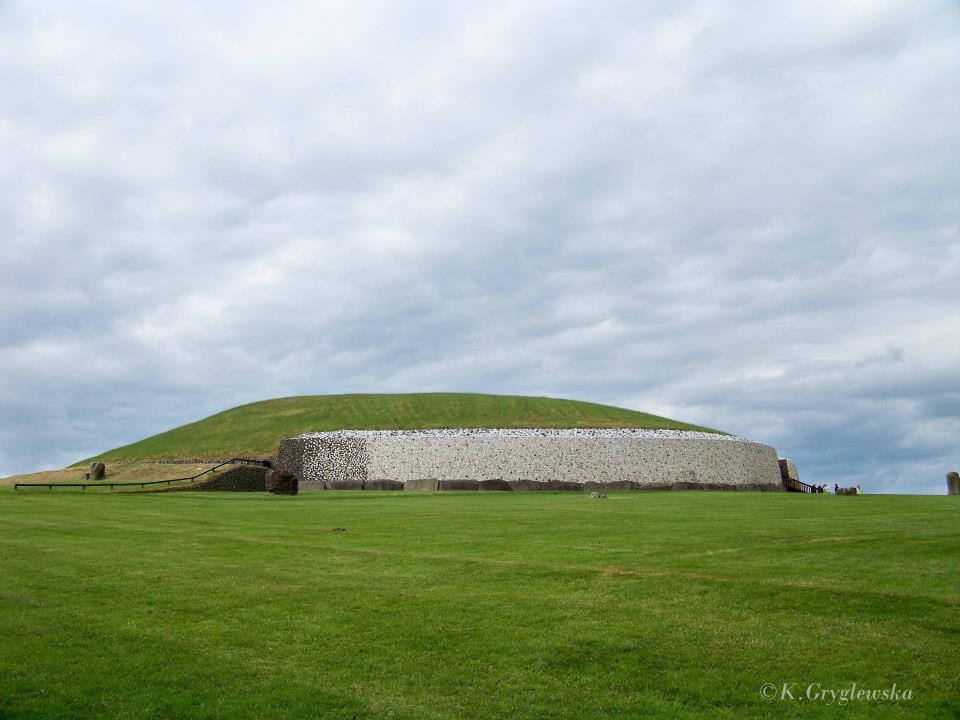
476 605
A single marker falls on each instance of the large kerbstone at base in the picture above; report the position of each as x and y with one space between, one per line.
526 485
97 470
459 485
495 484
953 483
422 484
762 487
615 486
656 486
563 485
383 485
346 485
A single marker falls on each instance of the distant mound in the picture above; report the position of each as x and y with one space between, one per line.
254 430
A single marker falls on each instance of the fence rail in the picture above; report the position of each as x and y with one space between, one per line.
111 485
797 486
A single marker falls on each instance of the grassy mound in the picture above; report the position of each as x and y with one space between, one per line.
254 430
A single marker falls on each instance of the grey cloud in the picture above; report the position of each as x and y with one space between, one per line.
893 354
741 216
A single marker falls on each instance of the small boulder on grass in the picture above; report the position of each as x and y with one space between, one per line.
597 495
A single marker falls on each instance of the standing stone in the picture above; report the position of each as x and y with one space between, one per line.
97 470
953 483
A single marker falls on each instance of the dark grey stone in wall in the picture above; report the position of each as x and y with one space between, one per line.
242 478
281 482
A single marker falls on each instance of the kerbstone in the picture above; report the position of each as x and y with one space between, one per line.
615 486
495 484
346 485
461 484
383 485
422 484
526 485
571 486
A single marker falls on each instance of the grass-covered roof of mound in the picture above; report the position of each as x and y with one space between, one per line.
254 430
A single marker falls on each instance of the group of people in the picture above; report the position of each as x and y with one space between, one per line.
847 491
837 490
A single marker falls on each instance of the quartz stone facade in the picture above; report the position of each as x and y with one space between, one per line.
528 460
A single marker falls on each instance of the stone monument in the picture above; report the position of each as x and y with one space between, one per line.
953 483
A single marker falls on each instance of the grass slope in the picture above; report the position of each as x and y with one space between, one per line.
116 472
256 429
479 605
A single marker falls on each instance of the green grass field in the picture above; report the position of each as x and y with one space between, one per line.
475 605
256 429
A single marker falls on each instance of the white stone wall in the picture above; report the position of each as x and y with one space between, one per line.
645 458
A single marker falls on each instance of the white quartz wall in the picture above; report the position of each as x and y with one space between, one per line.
649 458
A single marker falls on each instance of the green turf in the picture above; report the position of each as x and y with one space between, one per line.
256 429
475 605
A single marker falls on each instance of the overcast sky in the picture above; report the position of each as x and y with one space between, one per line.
744 215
